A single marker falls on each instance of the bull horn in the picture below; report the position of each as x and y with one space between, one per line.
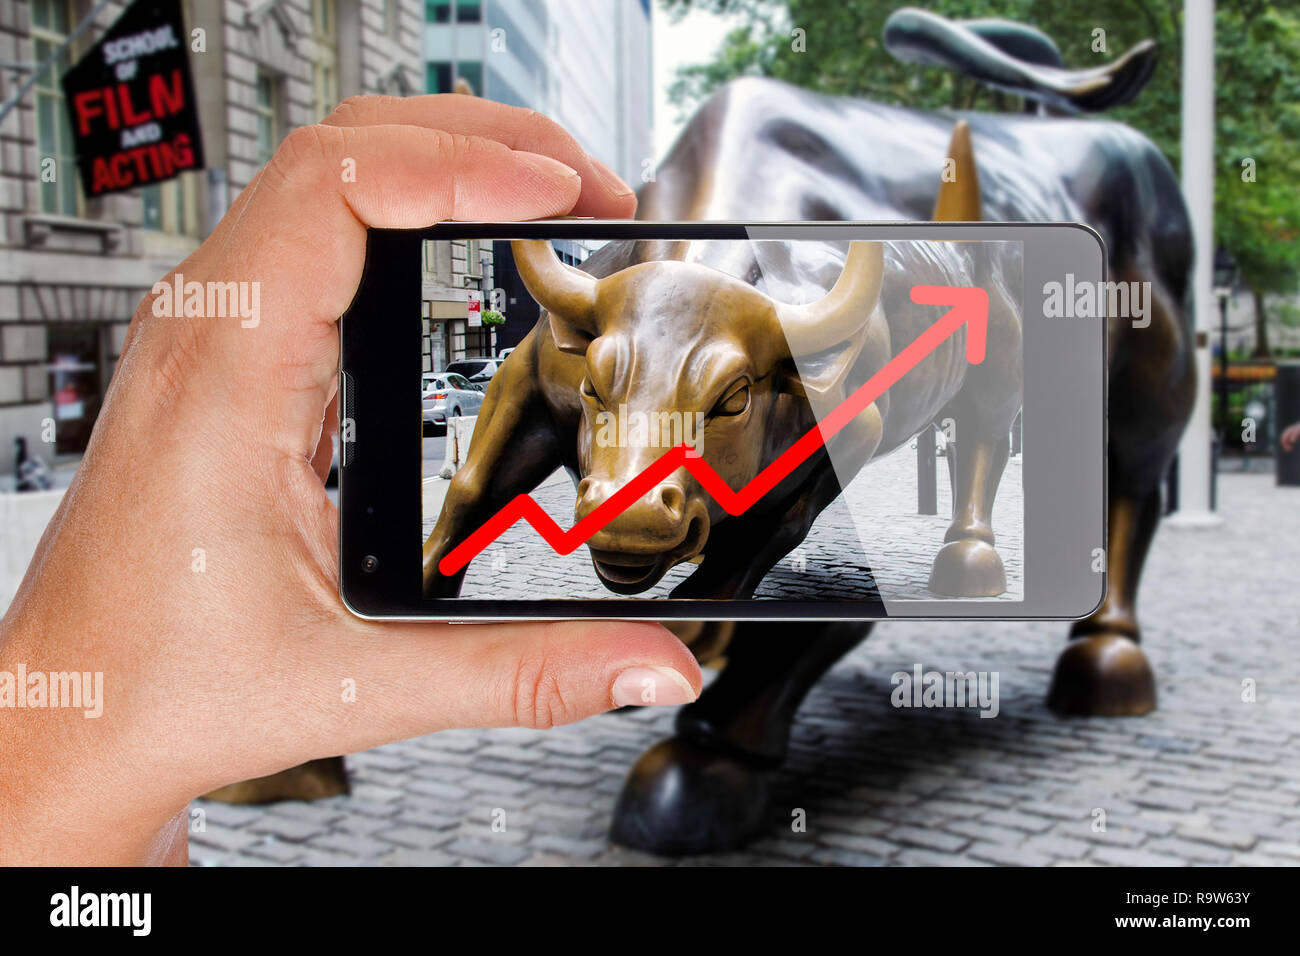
560 289
959 197
841 312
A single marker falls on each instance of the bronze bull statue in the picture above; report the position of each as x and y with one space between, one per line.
663 333
761 150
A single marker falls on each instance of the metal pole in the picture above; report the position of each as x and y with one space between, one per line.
1198 187
927 483
31 81
1223 371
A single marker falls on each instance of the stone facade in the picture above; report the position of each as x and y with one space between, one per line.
72 270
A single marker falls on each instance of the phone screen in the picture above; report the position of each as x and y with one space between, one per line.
769 419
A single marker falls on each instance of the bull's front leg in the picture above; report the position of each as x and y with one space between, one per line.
709 788
969 565
513 450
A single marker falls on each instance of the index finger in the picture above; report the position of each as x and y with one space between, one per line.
604 195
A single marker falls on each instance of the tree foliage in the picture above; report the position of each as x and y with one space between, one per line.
840 52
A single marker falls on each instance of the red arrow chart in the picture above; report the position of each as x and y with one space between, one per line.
969 307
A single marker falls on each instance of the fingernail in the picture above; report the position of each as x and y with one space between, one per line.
652 687
546 165
613 182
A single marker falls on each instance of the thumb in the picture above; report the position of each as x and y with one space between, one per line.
413 679
546 674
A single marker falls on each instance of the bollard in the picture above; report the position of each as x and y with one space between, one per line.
1171 487
459 432
927 483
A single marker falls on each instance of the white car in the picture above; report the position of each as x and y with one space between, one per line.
478 370
448 395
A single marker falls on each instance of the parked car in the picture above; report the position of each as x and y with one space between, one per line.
478 370
448 395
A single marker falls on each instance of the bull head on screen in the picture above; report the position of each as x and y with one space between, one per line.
675 352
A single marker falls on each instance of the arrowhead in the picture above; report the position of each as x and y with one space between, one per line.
970 307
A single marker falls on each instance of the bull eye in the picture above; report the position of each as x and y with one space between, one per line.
736 401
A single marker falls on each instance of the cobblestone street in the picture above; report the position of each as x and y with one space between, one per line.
1206 779
839 559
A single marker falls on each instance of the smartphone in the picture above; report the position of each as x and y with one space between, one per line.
725 420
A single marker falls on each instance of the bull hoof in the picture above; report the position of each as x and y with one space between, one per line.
314 780
1103 675
968 567
680 798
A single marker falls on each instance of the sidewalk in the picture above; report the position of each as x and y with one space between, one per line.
1206 779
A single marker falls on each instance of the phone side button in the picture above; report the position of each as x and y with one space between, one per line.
347 428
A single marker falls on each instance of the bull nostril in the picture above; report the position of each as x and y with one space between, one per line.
583 487
674 499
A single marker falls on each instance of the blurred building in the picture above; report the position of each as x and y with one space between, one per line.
452 272
72 270
584 63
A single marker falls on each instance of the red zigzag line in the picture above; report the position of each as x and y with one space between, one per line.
969 306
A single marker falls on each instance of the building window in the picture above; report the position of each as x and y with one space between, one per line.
471 73
76 385
325 89
266 106
437 77
440 11
172 207
322 18
52 20
324 70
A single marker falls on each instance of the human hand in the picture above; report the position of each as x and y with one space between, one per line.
1290 436
216 437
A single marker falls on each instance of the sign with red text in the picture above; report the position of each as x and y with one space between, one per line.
474 309
131 102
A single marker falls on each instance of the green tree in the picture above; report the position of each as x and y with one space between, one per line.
1257 203
835 47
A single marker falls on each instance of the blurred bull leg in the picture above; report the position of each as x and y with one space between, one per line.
513 451
707 640
314 780
968 565
1103 671
708 788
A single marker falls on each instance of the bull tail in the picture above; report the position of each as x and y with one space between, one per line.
959 188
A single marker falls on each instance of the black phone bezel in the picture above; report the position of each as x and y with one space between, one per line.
380 494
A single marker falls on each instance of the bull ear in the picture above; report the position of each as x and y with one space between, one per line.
568 338
820 376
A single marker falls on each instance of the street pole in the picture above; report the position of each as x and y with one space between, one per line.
1223 373
1198 188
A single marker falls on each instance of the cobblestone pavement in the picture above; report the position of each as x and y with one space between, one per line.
1206 779
838 560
